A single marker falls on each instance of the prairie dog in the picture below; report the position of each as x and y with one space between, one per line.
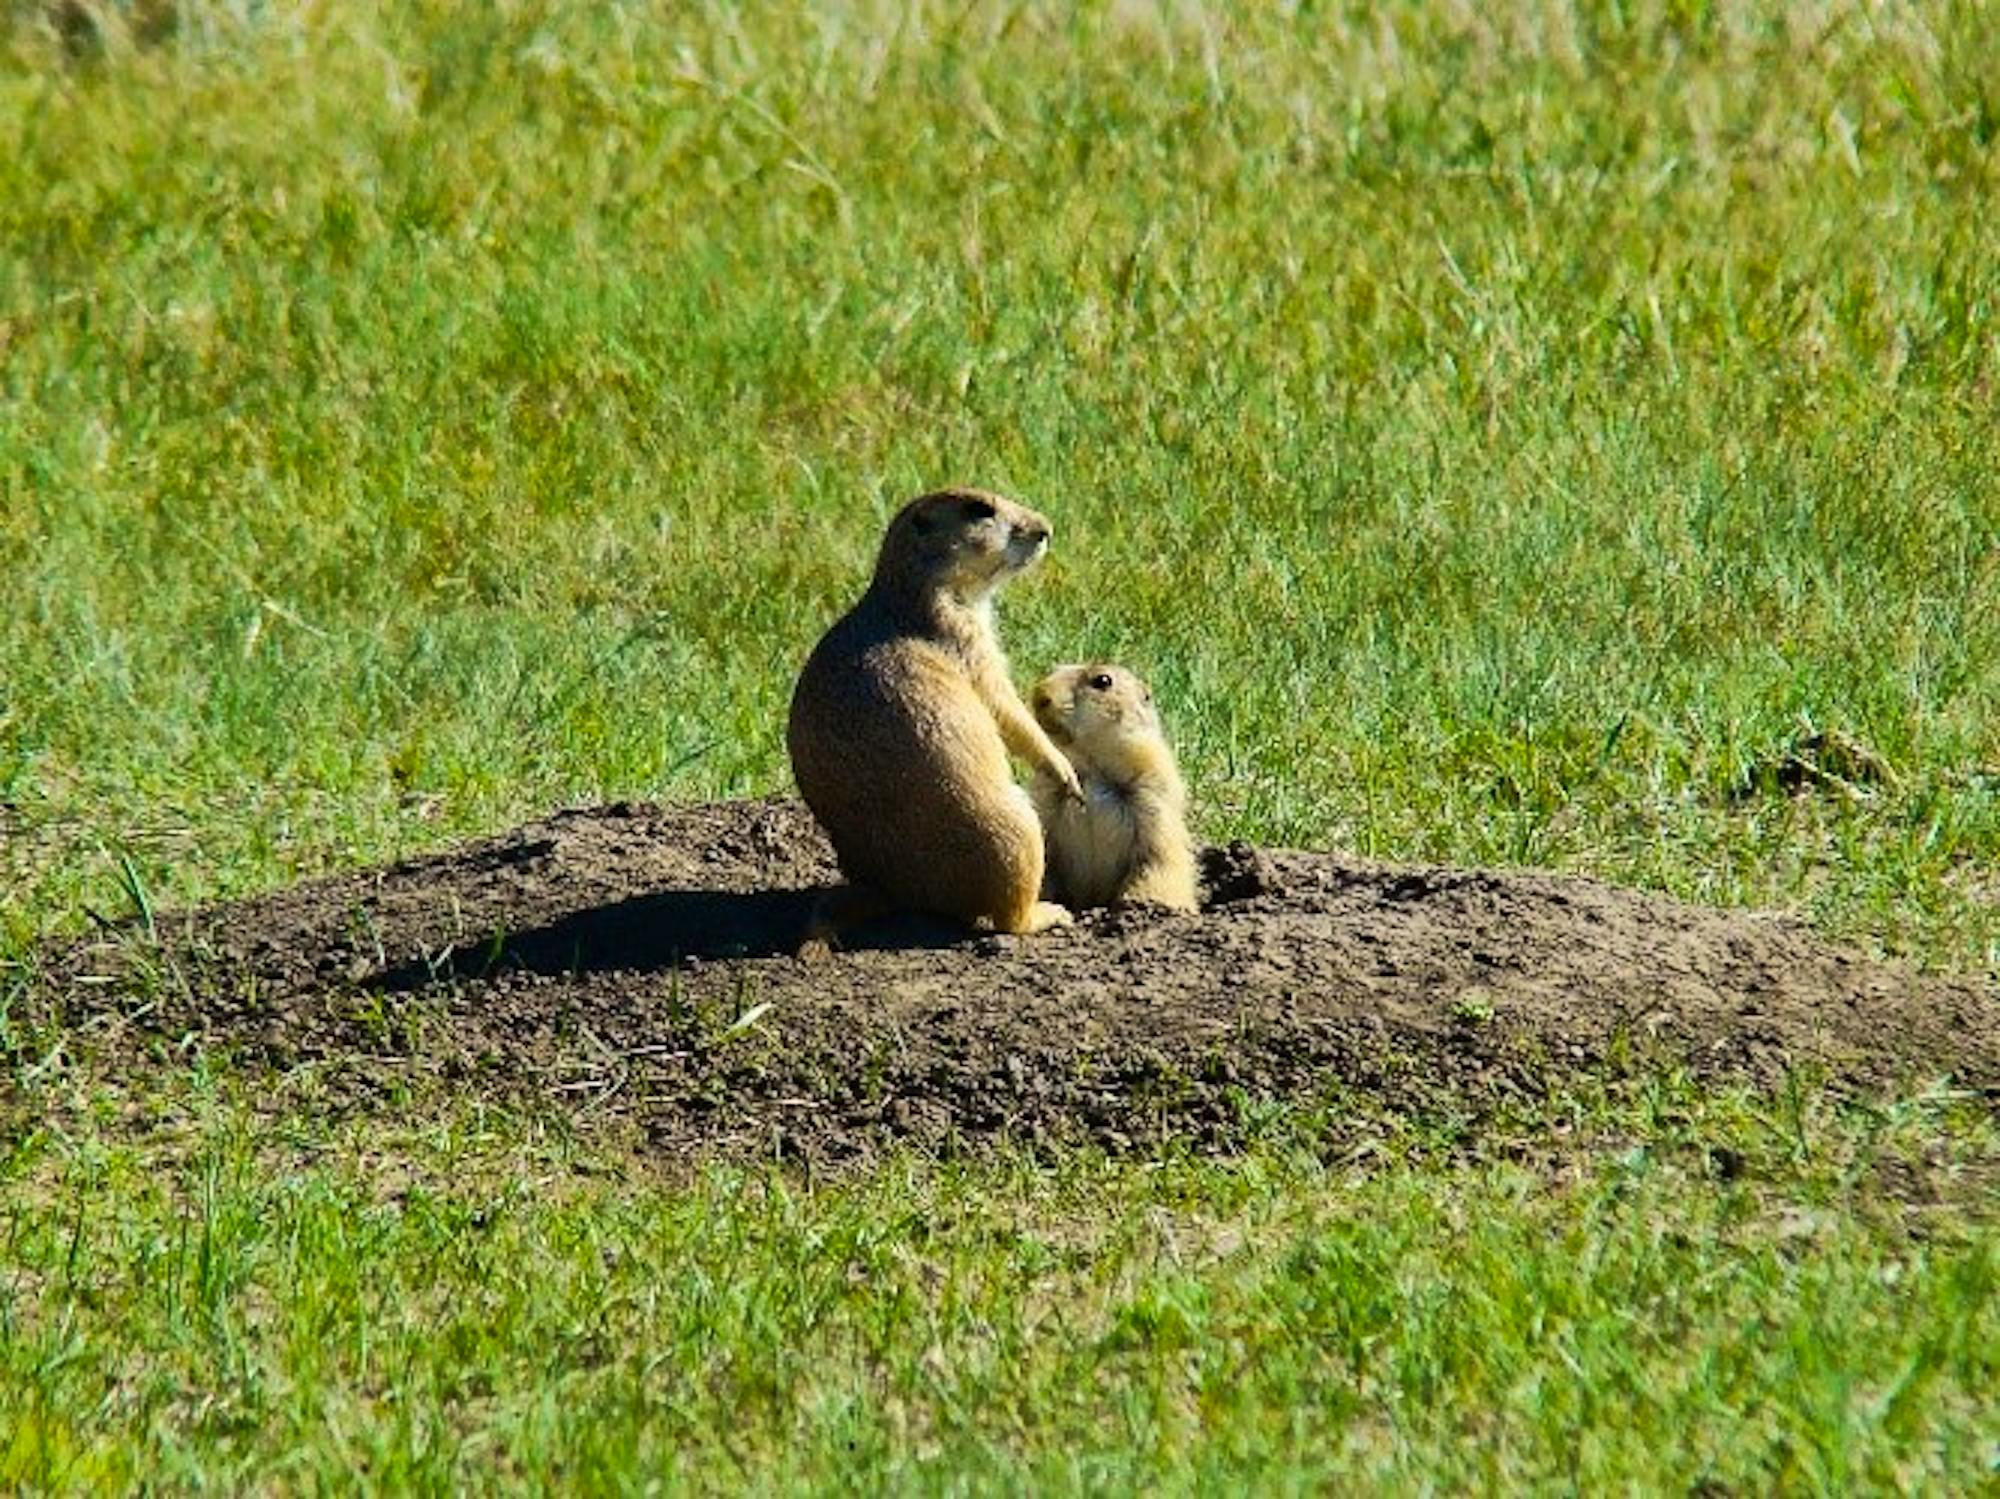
1127 840
903 718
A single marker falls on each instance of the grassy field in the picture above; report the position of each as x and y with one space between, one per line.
446 1309
1501 433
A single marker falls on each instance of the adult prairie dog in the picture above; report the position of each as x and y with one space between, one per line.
903 718
1127 839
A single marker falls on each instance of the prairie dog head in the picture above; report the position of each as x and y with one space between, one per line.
964 542
1102 716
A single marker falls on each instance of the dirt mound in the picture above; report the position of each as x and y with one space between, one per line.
634 963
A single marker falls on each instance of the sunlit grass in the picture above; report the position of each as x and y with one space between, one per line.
1497 435
1501 434
236 1308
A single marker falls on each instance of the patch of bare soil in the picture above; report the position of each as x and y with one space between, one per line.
634 964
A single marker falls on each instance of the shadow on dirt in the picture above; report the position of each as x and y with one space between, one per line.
660 932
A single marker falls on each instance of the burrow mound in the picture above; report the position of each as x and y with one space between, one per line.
634 964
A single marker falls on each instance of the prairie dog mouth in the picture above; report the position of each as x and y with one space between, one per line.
1026 547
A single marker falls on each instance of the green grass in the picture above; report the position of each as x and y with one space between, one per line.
1496 438
285 1312
1498 432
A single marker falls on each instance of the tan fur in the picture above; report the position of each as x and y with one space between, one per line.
903 718
1127 840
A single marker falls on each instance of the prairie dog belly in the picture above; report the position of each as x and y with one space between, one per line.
1091 845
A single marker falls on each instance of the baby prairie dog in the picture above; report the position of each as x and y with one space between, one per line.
1127 839
903 718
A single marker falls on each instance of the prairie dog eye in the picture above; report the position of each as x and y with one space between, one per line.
980 510
1101 682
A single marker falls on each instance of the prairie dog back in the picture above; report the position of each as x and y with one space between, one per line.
904 717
